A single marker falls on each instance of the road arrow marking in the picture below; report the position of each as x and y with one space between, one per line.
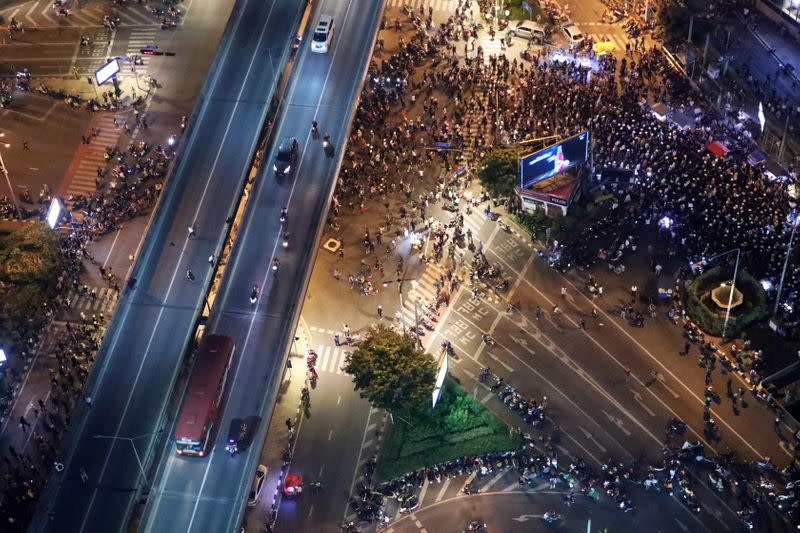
638 398
617 422
526 517
591 438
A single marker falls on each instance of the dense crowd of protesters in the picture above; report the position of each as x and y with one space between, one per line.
714 203
127 186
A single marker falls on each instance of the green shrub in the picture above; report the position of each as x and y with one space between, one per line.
459 425
703 311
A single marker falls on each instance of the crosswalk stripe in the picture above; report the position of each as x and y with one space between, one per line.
327 355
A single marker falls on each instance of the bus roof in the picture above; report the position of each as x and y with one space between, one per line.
209 367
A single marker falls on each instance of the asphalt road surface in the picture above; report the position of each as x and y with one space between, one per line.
144 347
208 494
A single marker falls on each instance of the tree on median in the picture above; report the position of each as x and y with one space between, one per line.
390 372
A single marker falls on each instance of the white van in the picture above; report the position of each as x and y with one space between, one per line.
527 29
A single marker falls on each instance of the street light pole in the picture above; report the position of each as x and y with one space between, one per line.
786 264
730 296
733 286
8 181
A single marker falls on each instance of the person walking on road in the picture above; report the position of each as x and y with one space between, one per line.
538 312
380 312
627 374
708 377
24 423
190 275
192 230
563 292
582 324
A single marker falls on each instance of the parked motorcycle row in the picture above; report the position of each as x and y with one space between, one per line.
531 410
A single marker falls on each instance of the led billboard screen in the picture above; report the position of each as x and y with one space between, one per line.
546 163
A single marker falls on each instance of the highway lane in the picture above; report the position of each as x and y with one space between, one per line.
144 347
208 494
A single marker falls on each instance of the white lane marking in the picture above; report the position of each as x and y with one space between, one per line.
443 489
288 203
266 275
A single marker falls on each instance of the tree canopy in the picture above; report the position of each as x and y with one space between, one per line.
499 172
390 372
30 263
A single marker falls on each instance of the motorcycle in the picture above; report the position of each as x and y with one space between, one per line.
254 295
237 434
476 525
551 517
285 240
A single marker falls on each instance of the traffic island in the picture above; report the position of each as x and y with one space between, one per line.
709 301
459 425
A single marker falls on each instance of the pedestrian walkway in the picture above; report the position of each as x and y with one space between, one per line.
491 47
82 172
437 5
140 38
40 13
95 300
330 359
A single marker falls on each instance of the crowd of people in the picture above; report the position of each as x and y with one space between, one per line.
714 203
428 92
25 470
127 186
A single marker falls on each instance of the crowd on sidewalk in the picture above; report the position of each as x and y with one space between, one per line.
127 186
25 468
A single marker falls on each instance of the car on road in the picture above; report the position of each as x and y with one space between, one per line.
258 484
287 156
573 34
323 35
529 30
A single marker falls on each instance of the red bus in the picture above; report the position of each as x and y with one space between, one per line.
204 396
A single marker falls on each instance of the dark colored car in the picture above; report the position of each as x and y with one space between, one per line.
286 158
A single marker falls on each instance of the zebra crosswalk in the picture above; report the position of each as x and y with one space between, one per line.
330 359
40 13
103 301
437 5
84 171
140 38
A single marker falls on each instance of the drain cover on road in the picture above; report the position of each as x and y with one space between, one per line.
332 245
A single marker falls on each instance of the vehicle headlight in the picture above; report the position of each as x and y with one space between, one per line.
288 169
275 168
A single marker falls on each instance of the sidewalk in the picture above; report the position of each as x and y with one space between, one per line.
279 444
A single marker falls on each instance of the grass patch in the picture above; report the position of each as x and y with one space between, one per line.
517 13
458 426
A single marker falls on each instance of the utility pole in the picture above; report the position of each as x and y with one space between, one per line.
786 263
691 27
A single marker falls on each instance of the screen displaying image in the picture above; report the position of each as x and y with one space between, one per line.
546 163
